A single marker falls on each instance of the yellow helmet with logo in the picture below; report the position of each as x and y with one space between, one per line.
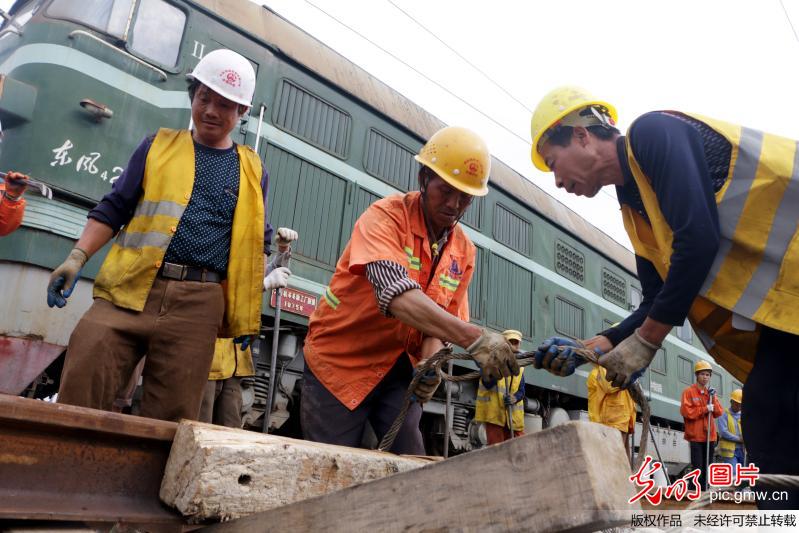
702 365
512 335
737 396
460 157
560 103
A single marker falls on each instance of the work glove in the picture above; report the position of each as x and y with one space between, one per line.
63 279
710 407
15 184
426 386
285 236
628 360
560 363
493 355
711 391
507 400
244 341
277 279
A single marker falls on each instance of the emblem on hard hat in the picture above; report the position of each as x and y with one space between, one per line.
473 167
231 77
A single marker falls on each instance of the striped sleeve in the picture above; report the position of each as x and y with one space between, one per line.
389 280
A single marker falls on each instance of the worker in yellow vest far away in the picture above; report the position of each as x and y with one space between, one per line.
609 405
731 442
221 403
188 262
711 209
495 397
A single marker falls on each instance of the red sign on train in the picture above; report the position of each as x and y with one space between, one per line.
296 301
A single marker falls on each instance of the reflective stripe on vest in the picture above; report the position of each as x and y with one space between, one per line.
727 447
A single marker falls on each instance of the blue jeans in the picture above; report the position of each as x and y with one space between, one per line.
737 459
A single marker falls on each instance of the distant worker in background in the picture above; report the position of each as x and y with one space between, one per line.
495 397
711 209
698 401
221 404
399 292
12 203
188 264
731 442
609 405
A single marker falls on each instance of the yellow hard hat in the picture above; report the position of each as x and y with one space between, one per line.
556 105
737 396
702 365
460 157
512 335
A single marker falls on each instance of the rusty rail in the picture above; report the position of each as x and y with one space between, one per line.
66 463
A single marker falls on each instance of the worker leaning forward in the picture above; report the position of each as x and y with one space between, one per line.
398 293
496 398
711 209
698 406
188 265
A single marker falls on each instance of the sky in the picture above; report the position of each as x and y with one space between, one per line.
733 60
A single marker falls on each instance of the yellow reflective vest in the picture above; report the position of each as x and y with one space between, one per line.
230 361
490 405
609 405
129 270
727 447
755 274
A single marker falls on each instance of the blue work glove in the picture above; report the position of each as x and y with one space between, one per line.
508 400
426 386
711 391
244 340
65 277
561 363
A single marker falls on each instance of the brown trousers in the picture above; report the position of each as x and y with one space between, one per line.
176 330
222 402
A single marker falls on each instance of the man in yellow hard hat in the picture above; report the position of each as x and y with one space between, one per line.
496 397
731 442
711 209
399 292
698 404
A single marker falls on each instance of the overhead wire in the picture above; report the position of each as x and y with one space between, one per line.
788 18
431 80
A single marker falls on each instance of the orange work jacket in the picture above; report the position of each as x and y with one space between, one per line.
10 213
350 346
693 409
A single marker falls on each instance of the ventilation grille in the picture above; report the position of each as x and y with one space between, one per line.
512 230
569 319
311 118
390 161
614 288
569 263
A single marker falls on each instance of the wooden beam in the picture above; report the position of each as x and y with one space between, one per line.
572 477
217 473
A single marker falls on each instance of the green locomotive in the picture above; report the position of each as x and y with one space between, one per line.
84 82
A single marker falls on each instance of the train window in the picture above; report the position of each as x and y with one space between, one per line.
569 319
569 262
511 289
307 116
716 383
685 370
388 160
636 297
659 362
109 16
614 288
158 32
512 230
685 332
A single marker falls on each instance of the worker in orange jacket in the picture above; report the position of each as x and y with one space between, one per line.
697 401
399 292
12 204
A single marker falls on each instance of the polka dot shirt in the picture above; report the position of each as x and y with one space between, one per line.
203 235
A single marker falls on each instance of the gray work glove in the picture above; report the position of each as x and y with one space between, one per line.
628 360
277 279
285 236
494 356
63 279
426 386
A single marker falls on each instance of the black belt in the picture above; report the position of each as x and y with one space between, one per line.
188 273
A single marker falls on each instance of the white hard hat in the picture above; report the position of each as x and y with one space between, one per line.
227 73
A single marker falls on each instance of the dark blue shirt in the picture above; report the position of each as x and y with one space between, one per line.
687 163
203 235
